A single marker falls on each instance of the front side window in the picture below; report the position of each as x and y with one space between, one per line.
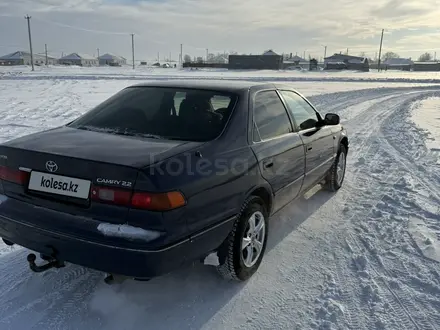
270 116
160 112
305 116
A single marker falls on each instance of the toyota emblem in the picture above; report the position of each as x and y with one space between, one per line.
51 166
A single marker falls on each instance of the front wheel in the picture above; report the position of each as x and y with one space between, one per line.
241 253
336 174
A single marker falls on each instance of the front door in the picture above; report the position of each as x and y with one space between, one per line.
279 150
318 142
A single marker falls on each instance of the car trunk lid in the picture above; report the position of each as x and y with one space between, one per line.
64 169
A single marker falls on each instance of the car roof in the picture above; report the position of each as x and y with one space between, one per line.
208 84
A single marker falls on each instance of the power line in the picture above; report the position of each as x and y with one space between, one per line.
81 28
28 18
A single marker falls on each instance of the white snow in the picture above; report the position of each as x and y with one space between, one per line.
363 258
211 259
426 115
127 232
427 239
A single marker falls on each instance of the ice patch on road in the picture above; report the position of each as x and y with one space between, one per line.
425 238
128 232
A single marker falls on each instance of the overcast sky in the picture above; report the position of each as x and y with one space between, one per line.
412 27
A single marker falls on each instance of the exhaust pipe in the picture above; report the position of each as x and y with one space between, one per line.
9 243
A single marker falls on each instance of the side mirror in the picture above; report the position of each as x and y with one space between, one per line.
332 119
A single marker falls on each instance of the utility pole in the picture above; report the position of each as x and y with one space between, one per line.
347 51
206 55
169 59
98 51
181 54
45 50
380 51
435 56
304 57
28 18
132 48
325 52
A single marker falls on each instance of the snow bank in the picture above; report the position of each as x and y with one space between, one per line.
145 73
426 115
128 232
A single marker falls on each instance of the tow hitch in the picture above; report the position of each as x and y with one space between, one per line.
52 263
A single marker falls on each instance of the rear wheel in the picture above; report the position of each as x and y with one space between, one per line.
336 175
241 253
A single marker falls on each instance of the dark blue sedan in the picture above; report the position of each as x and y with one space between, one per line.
165 173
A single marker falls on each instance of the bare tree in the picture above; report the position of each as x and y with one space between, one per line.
187 59
389 55
425 57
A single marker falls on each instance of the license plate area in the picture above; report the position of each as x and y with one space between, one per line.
59 185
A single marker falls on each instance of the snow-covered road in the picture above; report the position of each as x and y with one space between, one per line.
367 257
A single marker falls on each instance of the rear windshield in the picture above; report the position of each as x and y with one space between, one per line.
162 113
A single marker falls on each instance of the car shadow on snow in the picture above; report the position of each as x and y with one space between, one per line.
289 218
76 297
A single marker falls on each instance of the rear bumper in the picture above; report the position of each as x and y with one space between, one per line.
132 262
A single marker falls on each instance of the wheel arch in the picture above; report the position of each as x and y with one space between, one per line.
265 193
344 142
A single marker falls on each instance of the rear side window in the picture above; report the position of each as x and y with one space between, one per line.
159 112
270 116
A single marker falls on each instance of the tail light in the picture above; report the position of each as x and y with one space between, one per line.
110 195
158 202
13 175
140 200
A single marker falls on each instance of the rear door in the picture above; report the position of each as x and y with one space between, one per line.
279 150
318 142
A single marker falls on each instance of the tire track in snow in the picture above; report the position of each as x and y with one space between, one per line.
343 275
391 105
405 299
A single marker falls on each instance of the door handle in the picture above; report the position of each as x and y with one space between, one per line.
267 163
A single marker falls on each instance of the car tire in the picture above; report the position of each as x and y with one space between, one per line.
236 261
336 174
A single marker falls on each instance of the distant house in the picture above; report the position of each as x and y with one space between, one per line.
404 64
426 66
297 59
295 62
79 59
255 62
24 58
51 60
112 60
346 62
269 52
220 59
